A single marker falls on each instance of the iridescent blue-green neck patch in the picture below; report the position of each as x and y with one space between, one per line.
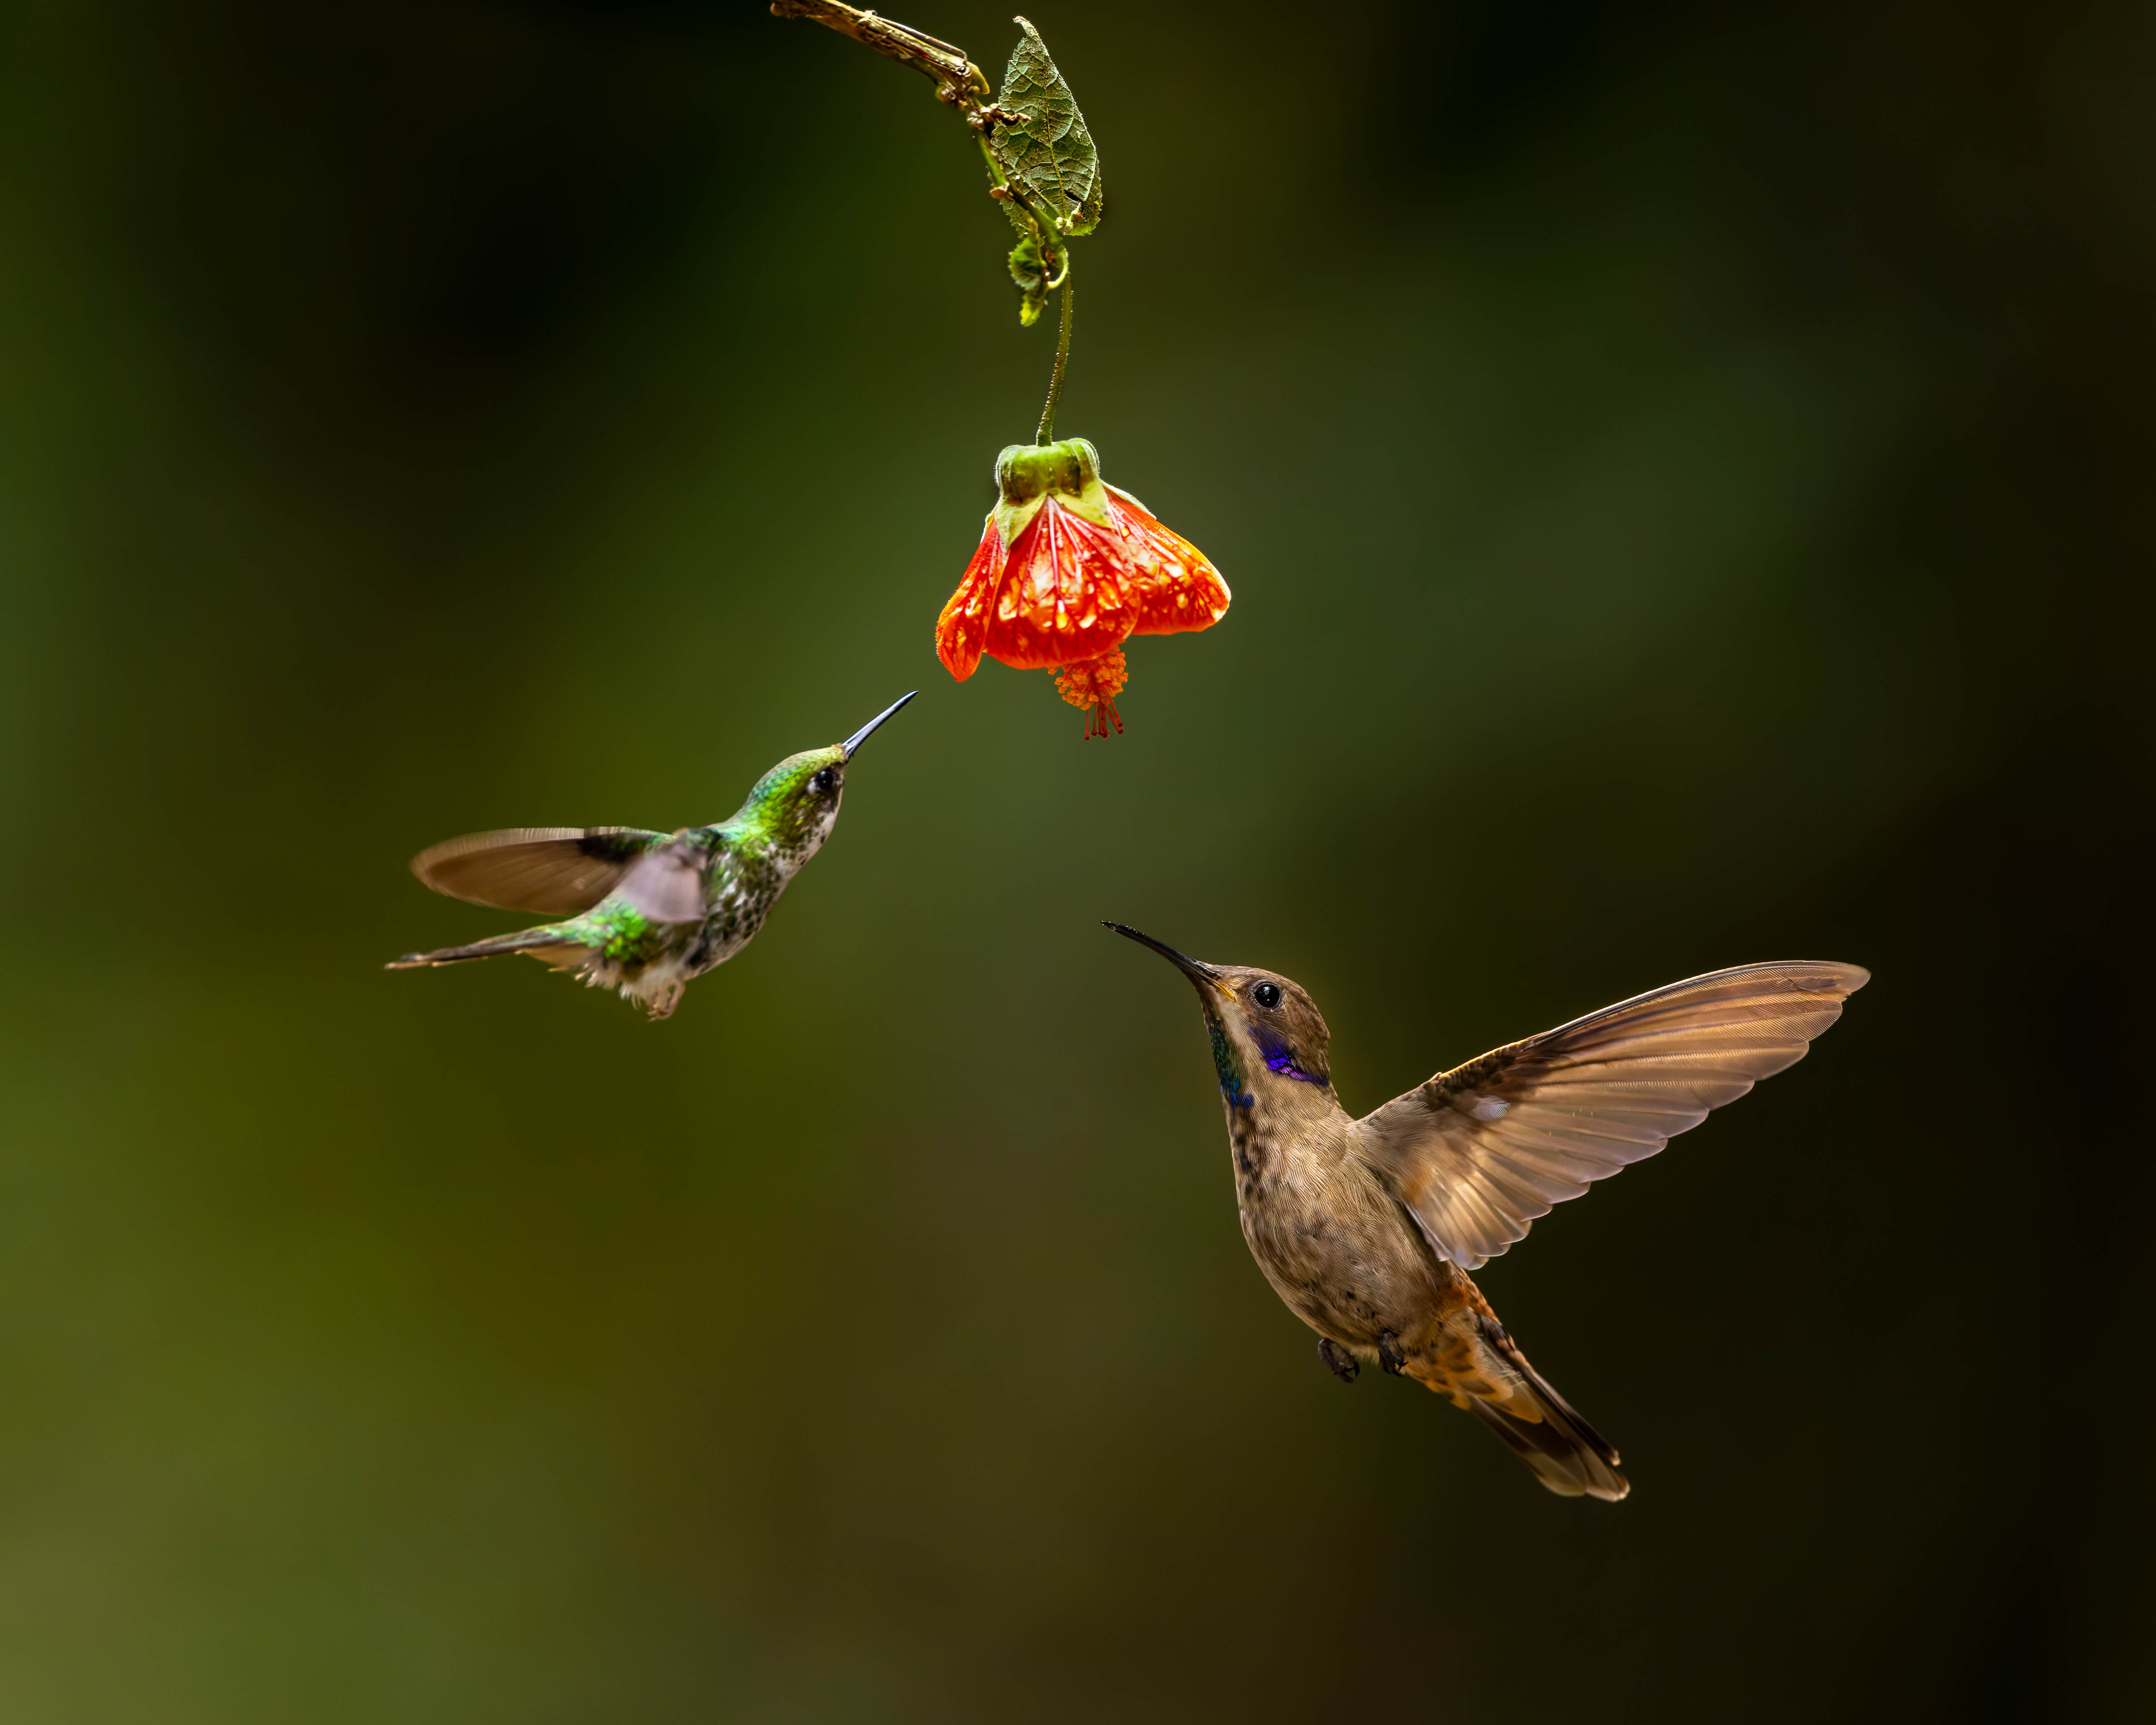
1231 1069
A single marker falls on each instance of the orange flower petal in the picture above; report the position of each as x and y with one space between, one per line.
1065 592
1175 587
962 629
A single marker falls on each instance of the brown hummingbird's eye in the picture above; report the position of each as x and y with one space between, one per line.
1267 995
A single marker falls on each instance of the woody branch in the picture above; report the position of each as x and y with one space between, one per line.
959 81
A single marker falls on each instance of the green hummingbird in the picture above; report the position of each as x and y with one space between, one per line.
1366 1228
647 912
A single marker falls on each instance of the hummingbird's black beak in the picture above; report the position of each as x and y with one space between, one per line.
1198 973
861 736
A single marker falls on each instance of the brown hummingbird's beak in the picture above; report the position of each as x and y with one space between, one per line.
862 735
1202 974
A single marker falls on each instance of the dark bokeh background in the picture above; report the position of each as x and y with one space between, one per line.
1684 472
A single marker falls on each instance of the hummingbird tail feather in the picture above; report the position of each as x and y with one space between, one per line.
1567 1455
1477 1363
548 945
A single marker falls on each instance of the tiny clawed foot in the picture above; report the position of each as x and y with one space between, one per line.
1343 1364
664 1003
1389 1355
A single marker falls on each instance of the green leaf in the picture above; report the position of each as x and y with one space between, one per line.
1047 154
1032 278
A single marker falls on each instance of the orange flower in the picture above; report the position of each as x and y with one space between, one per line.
1068 569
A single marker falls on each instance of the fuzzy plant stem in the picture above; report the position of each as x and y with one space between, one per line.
1046 434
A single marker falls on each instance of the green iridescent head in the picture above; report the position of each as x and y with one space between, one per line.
792 807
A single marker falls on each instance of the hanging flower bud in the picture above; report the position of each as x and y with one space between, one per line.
1070 567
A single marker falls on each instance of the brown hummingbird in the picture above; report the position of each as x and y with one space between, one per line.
1367 1228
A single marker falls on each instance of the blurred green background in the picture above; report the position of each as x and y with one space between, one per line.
1683 471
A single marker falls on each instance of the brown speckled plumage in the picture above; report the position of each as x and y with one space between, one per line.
1366 1228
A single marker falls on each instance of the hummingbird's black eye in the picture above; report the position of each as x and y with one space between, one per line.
1266 995
826 781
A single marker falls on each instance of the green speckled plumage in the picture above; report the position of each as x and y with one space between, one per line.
651 911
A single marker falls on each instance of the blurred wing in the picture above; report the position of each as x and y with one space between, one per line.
667 885
556 871
1478 1152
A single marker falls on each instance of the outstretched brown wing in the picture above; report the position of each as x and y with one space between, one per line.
556 871
1479 1152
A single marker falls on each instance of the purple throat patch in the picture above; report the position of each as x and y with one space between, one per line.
1281 1061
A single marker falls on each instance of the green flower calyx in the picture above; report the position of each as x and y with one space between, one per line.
1028 475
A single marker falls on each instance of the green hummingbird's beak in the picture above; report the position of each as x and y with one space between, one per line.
861 736
1202 974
